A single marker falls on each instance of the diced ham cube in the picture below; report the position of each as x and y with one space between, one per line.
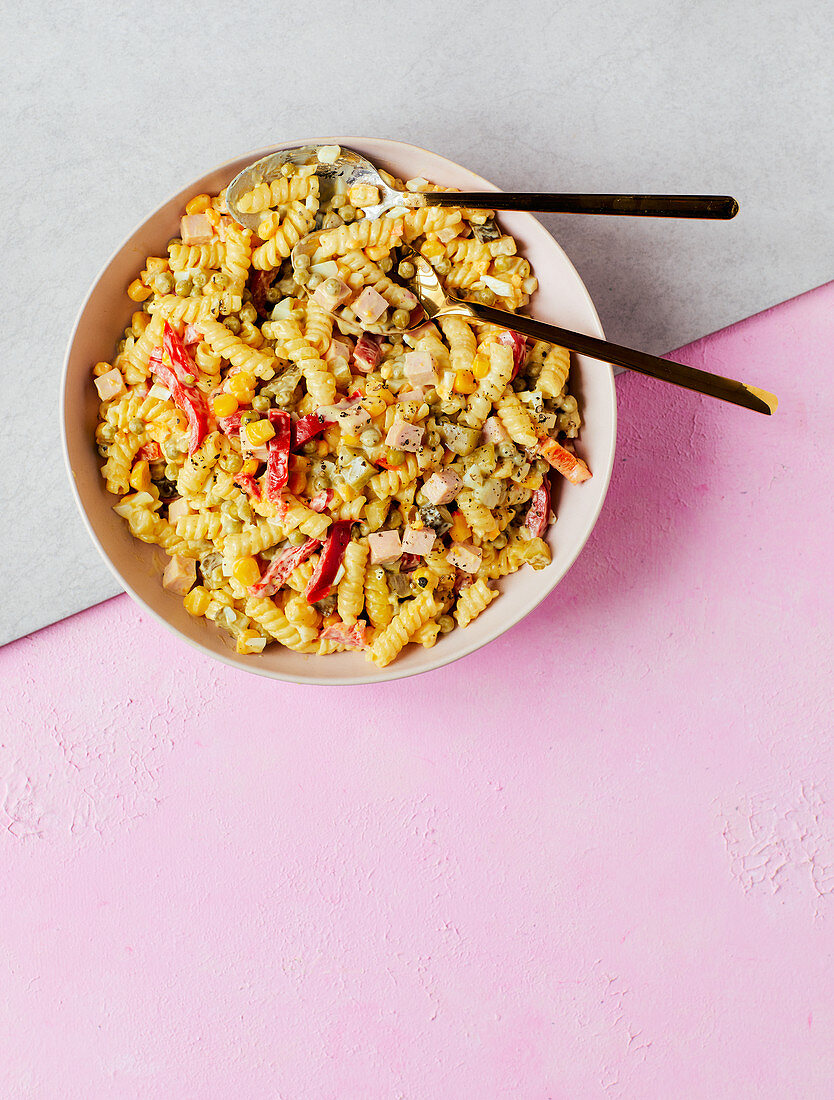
111 384
465 556
418 540
419 368
417 395
494 431
195 229
385 546
331 293
338 350
403 436
369 306
367 353
442 487
180 574
177 509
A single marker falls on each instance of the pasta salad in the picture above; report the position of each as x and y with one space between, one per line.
315 478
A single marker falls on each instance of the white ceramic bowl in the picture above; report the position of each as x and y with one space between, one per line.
561 298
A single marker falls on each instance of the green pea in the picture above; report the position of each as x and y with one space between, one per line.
332 286
199 279
107 433
183 287
232 324
501 264
163 283
395 458
273 295
310 447
249 417
302 262
102 450
400 318
172 472
314 281
261 403
385 264
302 276
370 437
407 270
136 425
234 463
296 537
443 267
120 347
485 296
446 623
347 212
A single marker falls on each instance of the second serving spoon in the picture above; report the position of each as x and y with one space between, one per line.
340 169
437 303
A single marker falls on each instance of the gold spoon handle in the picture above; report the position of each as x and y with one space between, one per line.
720 207
713 385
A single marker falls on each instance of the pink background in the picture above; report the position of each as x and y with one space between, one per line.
594 859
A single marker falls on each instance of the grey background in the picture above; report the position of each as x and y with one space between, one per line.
106 111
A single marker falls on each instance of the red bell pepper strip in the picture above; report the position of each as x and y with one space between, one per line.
278 453
247 482
259 284
151 452
319 502
282 565
183 365
230 425
186 398
538 514
307 427
518 344
563 460
409 562
353 635
329 562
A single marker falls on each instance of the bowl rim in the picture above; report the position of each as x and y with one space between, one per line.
375 675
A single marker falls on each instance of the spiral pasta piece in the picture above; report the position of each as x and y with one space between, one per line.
267 614
187 310
224 342
378 597
279 192
470 260
321 385
237 257
429 219
197 467
388 642
253 539
298 223
390 482
461 340
120 456
319 326
554 372
379 233
517 421
473 600
351 592
183 257
303 616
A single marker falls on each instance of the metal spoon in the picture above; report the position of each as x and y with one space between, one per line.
437 303
349 169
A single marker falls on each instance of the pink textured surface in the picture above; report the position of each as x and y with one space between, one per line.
594 859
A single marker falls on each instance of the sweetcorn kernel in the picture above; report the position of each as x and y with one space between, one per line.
102 368
250 466
432 250
198 205
258 432
480 366
246 572
225 404
242 387
459 531
197 601
374 406
138 292
140 476
464 382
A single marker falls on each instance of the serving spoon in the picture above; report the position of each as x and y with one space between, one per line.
341 169
436 302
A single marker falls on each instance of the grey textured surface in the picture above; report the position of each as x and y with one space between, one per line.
107 111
